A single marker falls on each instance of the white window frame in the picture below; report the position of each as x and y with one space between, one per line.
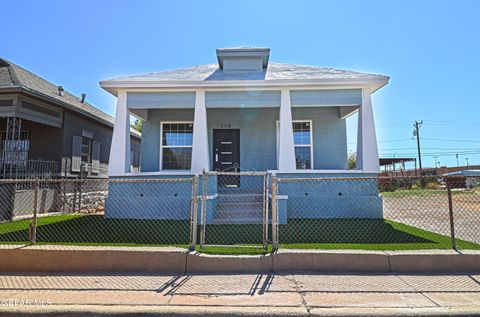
300 145
171 146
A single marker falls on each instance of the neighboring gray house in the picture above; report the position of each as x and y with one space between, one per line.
46 132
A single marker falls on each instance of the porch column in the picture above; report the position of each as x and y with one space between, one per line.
367 151
119 162
286 148
200 157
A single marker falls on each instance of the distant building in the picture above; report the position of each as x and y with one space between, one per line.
46 132
427 171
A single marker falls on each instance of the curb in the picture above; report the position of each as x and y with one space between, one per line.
181 311
91 259
207 263
313 260
176 260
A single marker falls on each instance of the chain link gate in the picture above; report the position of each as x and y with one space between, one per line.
234 209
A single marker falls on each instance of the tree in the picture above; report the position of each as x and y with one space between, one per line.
137 125
352 160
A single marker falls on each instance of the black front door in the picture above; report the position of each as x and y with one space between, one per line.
226 155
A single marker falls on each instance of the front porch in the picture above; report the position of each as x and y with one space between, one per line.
288 131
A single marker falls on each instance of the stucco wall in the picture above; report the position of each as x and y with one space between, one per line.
341 198
329 136
150 146
354 196
258 148
257 135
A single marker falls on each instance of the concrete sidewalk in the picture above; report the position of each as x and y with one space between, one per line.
347 294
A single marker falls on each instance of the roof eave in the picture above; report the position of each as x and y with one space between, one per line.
66 105
112 85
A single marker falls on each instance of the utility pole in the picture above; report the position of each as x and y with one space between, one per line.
467 162
416 133
436 163
456 155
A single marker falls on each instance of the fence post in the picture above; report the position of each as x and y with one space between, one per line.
33 225
204 208
194 216
274 213
80 195
265 210
450 212
64 185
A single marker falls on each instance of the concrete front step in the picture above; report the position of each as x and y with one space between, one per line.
239 213
245 214
239 207
239 198
239 221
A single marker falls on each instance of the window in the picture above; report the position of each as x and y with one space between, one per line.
302 139
86 150
15 152
177 139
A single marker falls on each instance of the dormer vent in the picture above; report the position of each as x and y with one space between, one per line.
243 59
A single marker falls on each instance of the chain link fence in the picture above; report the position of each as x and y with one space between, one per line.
234 209
98 211
245 210
377 213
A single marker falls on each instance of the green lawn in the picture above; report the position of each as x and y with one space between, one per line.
368 234
96 230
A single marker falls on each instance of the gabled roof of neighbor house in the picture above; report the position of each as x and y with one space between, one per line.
13 76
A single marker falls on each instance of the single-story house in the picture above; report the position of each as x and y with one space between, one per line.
245 113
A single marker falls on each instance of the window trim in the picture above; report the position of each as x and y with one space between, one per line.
300 145
171 146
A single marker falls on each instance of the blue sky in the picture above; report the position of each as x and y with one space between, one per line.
430 49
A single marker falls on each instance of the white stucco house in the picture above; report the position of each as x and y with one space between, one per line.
245 113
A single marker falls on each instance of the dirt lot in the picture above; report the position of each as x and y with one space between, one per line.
430 212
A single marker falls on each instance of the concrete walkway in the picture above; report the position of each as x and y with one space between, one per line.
322 294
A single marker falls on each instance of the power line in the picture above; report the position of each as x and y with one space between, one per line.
399 140
426 139
433 148
450 140
452 123
433 154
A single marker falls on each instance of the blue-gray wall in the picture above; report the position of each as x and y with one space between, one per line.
326 97
159 100
257 135
350 195
329 136
242 99
258 148
150 146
